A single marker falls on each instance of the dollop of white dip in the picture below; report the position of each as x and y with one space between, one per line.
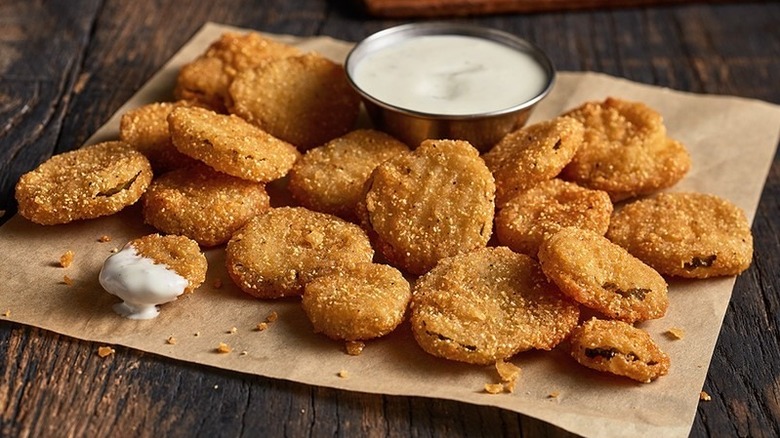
141 283
451 74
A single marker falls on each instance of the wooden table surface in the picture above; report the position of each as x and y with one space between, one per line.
66 65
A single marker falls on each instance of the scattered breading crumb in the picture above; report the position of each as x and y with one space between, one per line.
67 280
508 371
273 316
343 374
196 334
674 333
494 388
354 348
243 353
223 348
105 351
703 396
114 250
171 340
104 238
7 313
554 394
217 283
66 259
232 331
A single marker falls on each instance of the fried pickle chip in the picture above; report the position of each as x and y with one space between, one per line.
86 183
432 203
488 305
146 129
230 144
691 235
304 100
202 204
278 252
179 253
619 348
330 178
625 151
206 79
535 153
598 274
536 214
357 302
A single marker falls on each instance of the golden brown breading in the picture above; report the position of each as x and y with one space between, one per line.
179 253
598 274
304 100
625 151
146 129
619 348
357 302
535 153
692 235
534 215
432 203
487 305
86 183
202 204
230 144
206 79
330 178
278 252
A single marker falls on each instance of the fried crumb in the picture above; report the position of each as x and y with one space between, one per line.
703 396
114 250
554 394
343 374
7 313
171 340
510 386
104 238
196 334
508 371
243 353
354 348
105 351
261 326
232 331
66 259
223 348
674 333
67 280
494 388
217 284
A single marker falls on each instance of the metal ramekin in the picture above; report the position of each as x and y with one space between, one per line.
482 130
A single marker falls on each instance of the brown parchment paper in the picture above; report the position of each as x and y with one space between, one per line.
732 142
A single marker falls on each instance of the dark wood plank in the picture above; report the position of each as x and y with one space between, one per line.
54 92
450 8
35 90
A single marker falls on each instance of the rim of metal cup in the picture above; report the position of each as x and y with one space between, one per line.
387 37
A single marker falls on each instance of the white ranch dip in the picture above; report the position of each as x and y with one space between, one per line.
450 75
140 283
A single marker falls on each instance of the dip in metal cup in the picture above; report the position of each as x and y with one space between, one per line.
482 130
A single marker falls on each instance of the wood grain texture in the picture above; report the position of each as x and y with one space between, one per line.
453 8
65 66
